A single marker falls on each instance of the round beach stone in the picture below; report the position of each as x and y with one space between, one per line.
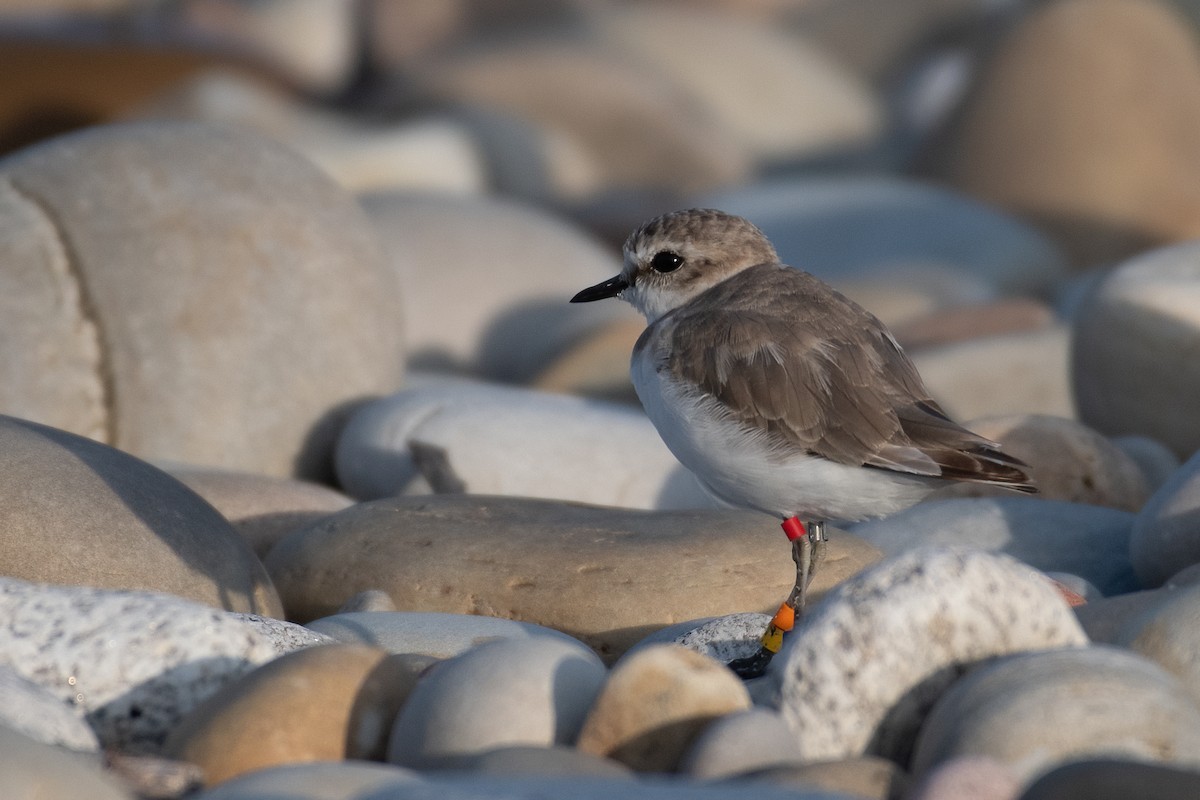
1154 458
34 711
1011 373
1130 362
1104 619
550 760
323 780
513 692
740 742
1168 633
74 511
607 576
1026 137
1115 779
839 228
261 508
425 633
226 297
977 777
135 663
863 667
1163 541
866 777
655 703
804 102
31 770
1035 711
319 704
486 281
1088 541
498 440
1069 461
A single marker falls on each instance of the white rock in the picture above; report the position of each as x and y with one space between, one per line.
721 638
134 662
1133 363
35 711
1035 711
428 633
486 282
739 743
285 636
531 691
837 228
505 441
1089 541
863 666
1163 540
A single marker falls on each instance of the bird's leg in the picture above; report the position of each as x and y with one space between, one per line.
808 550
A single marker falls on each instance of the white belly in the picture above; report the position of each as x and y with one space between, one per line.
740 467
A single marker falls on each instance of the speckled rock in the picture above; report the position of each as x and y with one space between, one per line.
1013 373
1087 541
426 633
170 260
864 666
1163 540
262 509
325 780
544 562
319 704
514 692
75 511
30 770
740 742
34 711
720 638
1069 462
1128 365
500 270
285 636
655 703
486 439
837 228
1026 137
1025 711
1168 633
977 777
134 662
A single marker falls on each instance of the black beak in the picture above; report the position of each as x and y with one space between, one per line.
610 288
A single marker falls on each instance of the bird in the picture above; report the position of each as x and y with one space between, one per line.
781 394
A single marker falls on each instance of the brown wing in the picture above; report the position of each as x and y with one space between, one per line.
830 379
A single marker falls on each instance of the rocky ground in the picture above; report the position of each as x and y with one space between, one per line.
313 486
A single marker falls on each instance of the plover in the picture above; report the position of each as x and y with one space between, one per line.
781 394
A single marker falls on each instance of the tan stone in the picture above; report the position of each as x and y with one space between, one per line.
608 576
655 703
319 704
1069 461
864 776
1089 108
261 508
74 511
946 326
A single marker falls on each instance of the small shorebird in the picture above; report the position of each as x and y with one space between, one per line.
780 393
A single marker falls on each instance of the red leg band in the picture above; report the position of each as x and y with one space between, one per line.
793 528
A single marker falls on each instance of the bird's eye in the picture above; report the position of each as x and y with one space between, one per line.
666 261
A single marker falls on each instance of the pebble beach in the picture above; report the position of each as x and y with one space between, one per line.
314 486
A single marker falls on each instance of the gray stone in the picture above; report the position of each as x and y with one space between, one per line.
30 770
867 777
1104 619
554 760
261 508
201 325
1168 633
549 563
720 638
740 743
1088 541
864 666
325 780
837 228
514 692
427 633
285 636
1163 541
1035 711
502 440
368 600
34 711
74 511
1133 337
976 777
135 663
1155 459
